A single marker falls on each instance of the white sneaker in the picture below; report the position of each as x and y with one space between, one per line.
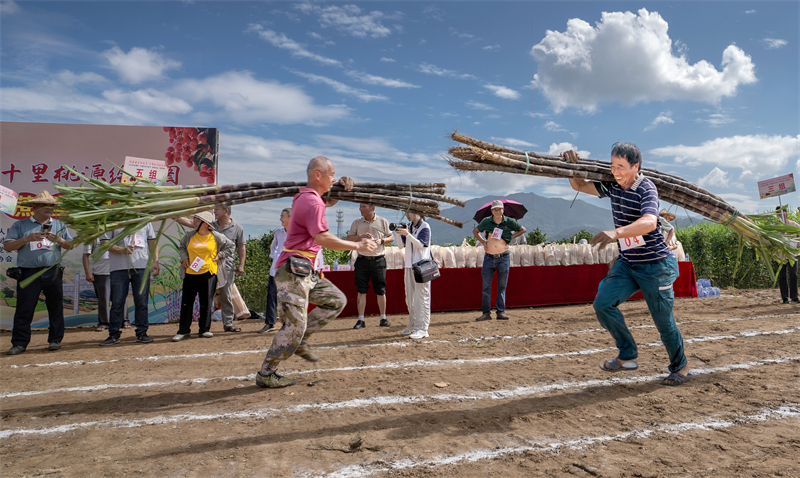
179 337
419 334
407 331
206 335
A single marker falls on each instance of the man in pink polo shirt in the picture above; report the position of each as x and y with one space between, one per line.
297 282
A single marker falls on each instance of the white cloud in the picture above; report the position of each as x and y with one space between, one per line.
458 34
139 65
512 142
434 13
716 177
388 60
553 126
148 99
316 36
750 12
363 95
773 43
503 92
69 78
742 202
760 153
246 99
558 148
349 19
665 117
491 47
537 115
280 40
479 106
429 69
8 7
379 80
629 58
716 119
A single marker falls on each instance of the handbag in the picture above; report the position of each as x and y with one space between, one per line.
299 266
14 273
240 310
425 271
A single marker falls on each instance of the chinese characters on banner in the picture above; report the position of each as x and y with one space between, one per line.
776 186
151 170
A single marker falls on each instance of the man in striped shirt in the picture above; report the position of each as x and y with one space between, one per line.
645 262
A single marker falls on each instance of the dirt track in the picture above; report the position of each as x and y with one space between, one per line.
528 399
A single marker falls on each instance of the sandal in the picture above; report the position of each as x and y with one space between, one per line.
677 379
614 365
232 328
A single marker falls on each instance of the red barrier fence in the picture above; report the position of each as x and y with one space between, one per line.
460 289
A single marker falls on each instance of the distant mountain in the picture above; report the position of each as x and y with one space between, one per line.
552 215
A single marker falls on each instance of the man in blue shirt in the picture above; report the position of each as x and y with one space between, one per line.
38 241
645 262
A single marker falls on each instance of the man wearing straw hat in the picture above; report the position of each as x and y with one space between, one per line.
128 263
297 282
38 241
645 262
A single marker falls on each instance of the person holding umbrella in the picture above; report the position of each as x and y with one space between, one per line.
499 229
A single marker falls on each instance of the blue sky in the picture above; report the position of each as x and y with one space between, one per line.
708 90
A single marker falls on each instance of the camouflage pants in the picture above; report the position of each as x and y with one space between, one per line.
294 295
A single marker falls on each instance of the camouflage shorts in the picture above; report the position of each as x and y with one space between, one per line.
295 293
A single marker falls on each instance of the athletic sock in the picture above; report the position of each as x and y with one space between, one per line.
383 316
361 318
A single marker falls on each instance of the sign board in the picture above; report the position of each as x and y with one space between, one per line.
779 186
8 200
150 170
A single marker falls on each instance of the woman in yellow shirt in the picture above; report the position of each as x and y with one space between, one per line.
201 252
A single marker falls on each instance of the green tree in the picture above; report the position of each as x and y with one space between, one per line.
536 237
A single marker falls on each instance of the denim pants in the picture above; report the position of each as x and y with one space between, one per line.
50 283
655 282
490 265
120 280
271 315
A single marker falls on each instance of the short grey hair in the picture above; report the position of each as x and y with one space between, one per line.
288 211
319 163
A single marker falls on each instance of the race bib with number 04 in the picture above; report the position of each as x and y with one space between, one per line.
43 245
630 243
497 233
197 264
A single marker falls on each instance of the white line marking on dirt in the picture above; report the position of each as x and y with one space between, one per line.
360 403
787 411
387 344
393 365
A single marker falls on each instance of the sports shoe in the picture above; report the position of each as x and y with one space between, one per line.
407 331
419 334
109 341
144 338
206 335
796 300
273 380
305 351
785 301
385 323
232 328
54 346
265 329
16 350
179 337
484 317
502 316
360 325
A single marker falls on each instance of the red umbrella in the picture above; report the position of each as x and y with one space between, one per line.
510 209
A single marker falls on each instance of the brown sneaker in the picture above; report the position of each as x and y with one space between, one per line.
305 351
484 317
502 316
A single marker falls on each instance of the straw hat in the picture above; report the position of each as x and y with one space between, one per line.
43 199
666 215
207 217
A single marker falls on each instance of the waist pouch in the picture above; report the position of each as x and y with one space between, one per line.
425 271
299 266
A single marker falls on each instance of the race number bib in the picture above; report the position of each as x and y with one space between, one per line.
497 233
630 243
197 264
105 255
137 241
43 245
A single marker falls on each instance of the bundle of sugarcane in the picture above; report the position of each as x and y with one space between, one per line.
771 239
97 207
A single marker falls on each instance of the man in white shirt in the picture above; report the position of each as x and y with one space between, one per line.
275 249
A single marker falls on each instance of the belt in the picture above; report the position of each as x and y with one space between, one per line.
497 256
370 258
